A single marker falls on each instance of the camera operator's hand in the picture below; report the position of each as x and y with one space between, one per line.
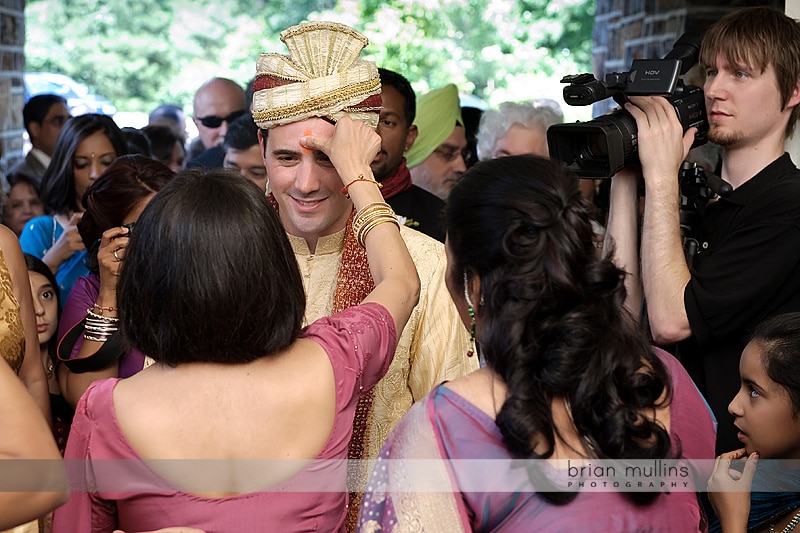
664 270
662 144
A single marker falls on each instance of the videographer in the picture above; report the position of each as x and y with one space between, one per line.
748 265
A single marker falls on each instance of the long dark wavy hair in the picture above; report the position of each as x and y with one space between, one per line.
552 322
58 182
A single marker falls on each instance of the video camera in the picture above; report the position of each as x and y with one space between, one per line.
601 147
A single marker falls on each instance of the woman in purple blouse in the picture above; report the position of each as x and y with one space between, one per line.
568 377
113 203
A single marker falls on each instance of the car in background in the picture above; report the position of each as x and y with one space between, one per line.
79 99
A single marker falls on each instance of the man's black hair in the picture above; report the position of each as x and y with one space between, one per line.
399 82
37 107
242 133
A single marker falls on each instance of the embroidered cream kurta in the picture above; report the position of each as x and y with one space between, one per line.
432 347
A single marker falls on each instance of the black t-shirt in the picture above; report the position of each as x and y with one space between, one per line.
747 269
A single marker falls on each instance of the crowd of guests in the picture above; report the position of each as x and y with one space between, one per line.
338 282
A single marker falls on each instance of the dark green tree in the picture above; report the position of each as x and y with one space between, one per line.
117 48
149 51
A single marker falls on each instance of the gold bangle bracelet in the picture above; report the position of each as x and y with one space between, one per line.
357 228
371 206
368 211
362 235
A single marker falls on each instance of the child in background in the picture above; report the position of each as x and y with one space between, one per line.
767 415
23 202
45 304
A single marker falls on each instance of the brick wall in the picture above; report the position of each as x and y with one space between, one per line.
625 30
12 66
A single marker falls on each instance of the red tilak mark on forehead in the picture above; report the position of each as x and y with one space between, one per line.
307 133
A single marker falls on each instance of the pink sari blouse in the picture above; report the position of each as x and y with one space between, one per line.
114 488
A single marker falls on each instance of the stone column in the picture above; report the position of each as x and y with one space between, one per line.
12 91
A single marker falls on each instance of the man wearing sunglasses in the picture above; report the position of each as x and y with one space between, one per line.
438 157
217 103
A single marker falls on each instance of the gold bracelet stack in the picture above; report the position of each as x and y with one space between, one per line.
99 328
369 216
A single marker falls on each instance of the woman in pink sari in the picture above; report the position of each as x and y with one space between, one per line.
569 379
243 421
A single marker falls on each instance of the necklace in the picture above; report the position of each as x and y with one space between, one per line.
49 367
585 440
790 526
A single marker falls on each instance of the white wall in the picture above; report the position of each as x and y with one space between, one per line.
793 8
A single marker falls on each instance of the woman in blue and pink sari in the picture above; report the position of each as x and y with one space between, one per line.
569 380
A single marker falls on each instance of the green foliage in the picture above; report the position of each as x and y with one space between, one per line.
118 48
570 21
281 14
141 53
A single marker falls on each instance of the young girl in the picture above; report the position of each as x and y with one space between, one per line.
45 305
23 202
767 415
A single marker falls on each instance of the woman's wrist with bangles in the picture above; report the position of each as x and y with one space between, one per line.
97 327
97 307
106 299
369 217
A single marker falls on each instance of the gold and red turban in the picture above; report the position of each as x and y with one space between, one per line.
321 77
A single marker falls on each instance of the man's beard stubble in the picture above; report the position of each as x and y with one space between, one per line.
726 139
380 172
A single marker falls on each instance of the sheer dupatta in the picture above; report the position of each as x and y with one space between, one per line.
412 487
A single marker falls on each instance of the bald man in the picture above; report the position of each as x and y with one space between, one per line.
217 103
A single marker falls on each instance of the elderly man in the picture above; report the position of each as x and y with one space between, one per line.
217 103
318 217
438 158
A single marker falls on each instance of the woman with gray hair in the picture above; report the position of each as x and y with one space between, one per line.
517 128
520 128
